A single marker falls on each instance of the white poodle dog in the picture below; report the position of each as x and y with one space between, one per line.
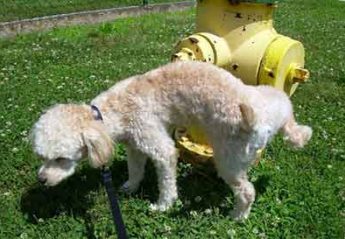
141 112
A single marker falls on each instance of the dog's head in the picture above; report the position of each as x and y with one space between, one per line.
64 135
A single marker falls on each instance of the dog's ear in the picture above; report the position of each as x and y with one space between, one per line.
99 145
248 116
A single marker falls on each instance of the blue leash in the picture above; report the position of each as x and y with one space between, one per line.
114 205
108 183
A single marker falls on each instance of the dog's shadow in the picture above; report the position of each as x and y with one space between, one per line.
199 190
71 197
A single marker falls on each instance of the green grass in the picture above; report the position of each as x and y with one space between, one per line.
22 9
300 194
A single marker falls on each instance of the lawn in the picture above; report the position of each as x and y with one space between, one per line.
300 194
22 9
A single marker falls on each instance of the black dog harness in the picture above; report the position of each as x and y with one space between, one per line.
108 183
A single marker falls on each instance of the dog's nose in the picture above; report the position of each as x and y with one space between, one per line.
41 179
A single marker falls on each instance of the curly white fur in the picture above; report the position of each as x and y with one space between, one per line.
141 111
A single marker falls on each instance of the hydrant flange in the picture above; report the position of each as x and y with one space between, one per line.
203 47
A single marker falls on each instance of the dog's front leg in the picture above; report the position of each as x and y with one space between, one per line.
151 138
166 173
136 161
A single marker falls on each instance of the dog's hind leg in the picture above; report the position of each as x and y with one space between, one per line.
234 173
244 193
136 162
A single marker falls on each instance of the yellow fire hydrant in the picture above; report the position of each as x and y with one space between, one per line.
239 37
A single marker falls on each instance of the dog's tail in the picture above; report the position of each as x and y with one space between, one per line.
297 135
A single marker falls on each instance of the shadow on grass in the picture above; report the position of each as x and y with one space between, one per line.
68 197
261 184
201 182
71 197
202 188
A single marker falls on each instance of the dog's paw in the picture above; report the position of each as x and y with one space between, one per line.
161 207
129 188
239 216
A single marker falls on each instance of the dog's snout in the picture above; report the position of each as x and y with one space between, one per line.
42 179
